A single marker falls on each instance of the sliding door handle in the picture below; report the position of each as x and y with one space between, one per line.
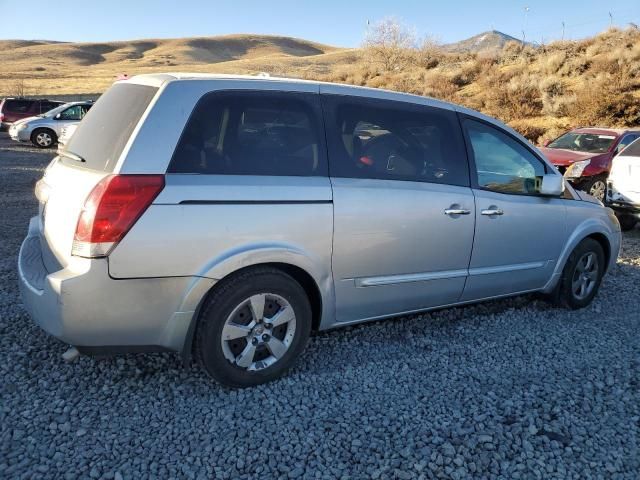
457 211
492 211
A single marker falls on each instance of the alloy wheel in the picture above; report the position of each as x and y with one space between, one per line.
44 139
258 332
585 276
598 190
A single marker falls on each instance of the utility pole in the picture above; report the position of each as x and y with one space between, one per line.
563 31
610 20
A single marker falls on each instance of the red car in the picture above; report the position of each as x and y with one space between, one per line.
584 155
14 109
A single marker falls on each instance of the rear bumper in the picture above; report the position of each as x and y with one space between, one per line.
83 306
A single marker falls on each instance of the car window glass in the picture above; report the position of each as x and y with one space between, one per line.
584 142
46 106
394 141
633 150
502 163
105 130
252 133
17 106
75 112
626 141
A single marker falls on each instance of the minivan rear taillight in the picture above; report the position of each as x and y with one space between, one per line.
111 209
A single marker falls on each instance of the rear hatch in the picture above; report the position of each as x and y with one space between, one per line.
91 154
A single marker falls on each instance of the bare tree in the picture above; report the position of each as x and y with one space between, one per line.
390 43
430 52
18 88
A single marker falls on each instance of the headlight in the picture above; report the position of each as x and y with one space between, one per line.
22 126
576 169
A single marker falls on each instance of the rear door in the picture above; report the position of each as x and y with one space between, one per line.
519 233
403 209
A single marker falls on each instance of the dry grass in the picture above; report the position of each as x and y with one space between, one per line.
538 91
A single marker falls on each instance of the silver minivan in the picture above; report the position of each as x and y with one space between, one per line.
228 217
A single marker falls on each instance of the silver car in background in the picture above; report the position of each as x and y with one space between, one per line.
43 130
269 208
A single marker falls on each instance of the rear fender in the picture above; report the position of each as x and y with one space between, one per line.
250 255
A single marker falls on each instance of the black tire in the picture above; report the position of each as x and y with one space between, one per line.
224 300
627 222
45 132
596 187
565 294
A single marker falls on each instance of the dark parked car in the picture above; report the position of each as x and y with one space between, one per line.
12 109
584 155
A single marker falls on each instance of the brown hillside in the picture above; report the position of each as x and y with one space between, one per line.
539 91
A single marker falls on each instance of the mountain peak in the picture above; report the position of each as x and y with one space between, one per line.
485 42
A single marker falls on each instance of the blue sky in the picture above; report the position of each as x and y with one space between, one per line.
337 22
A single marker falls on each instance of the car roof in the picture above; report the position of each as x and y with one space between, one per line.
159 79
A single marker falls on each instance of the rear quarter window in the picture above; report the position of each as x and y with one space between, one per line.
253 133
18 106
106 128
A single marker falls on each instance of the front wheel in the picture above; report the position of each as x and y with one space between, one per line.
596 187
253 327
43 138
582 275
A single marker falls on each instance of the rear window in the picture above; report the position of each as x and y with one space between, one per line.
633 150
252 133
106 128
18 106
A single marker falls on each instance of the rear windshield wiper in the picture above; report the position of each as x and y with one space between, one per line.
72 156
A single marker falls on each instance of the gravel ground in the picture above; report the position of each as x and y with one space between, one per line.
508 389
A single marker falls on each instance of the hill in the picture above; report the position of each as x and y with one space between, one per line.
70 68
487 42
539 91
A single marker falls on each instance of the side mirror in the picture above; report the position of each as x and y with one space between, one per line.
552 185
57 117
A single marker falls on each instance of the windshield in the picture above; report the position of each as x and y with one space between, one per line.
53 112
584 142
101 136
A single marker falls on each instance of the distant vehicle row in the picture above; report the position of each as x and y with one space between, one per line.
45 129
14 109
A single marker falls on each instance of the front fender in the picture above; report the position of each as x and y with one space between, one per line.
601 224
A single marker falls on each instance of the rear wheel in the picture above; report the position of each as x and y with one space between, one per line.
582 275
253 327
596 187
627 222
43 138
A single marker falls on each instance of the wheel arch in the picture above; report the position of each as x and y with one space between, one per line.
595 229
319 306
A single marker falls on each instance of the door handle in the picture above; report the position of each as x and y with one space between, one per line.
492 211
457 211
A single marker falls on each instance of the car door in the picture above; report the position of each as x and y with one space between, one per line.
69 116
519 233
403 208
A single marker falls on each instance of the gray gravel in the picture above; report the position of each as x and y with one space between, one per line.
508 389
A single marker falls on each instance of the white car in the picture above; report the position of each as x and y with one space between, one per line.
623 186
